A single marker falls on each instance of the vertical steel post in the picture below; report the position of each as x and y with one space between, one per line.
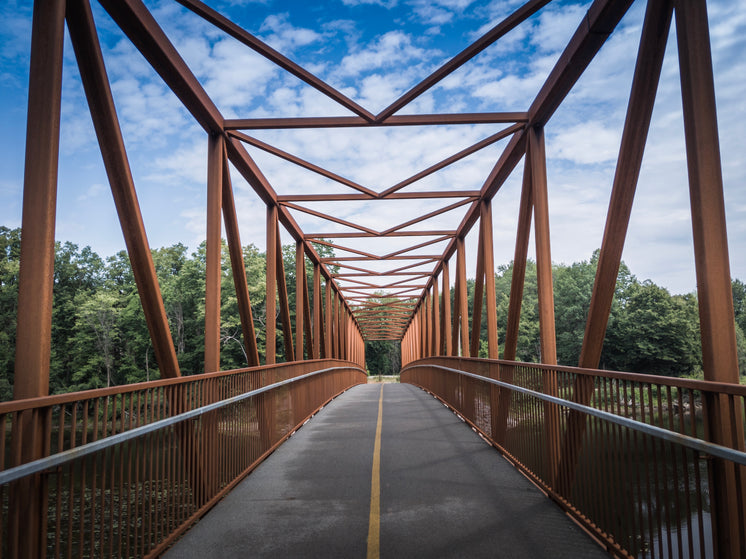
213 256
547 333
436 319
328 318
446 322
300 297
316 311
719 353
463 305
36 276
489 279
271 304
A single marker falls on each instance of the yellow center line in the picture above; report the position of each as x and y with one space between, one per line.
374 522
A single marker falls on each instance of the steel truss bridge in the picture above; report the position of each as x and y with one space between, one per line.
649 466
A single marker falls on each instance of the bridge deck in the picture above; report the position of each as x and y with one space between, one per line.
443 492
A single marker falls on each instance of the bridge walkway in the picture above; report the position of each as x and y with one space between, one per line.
443 492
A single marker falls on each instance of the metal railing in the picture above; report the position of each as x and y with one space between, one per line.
627 455
130 468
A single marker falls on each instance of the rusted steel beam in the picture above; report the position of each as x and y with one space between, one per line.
639 111
637 123
436 319
389 193
300 297
446 324
317 330
238 267
476 318
27 516
370 194
214 249
357 122
282 289
345 197
307 322
598 24
141 28
429 215
34 316
509 23
361 234
328 217
525 213
272 55
106 124
489 279
547 335
328 319
499 416
463 305
717 328
271 279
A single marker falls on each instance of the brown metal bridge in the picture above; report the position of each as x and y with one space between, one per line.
649 466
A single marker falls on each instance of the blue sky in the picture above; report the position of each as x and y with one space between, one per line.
373 51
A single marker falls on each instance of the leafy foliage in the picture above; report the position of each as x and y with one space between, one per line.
100 338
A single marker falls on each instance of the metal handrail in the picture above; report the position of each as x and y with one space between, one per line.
18 472
671 436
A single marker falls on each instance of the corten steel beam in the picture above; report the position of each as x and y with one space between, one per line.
499 415
547 335
300 297
282 288
637 123
370 194
436 319
365 235
347 197
445 322
106 124
389 193
307 322
639 111
316 311
509 23
328 217
28 518
463 304
34 317
525 212
213 256
597 25
358 122
141 28
476 318
717 328
489 283
328 319
271 279
429 215
238 267
272 55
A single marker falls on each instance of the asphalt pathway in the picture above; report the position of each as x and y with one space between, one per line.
443 492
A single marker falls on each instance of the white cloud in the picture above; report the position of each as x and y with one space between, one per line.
587 143
389 50
385 3
284 36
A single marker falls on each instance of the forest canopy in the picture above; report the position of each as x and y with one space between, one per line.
99 335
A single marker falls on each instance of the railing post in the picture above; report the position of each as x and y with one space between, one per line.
719 353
